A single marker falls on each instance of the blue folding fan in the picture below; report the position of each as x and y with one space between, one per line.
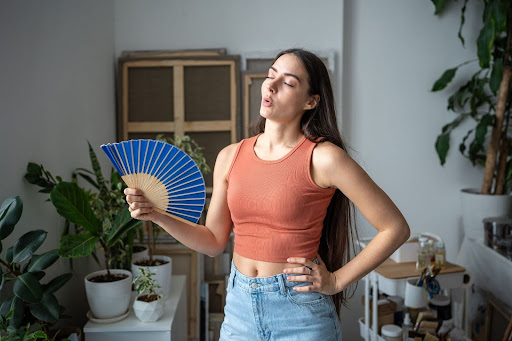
168 176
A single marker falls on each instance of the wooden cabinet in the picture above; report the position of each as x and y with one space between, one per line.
180 95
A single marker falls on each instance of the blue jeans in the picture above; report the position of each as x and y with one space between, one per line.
267 308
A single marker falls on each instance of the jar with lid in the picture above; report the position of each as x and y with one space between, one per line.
391 332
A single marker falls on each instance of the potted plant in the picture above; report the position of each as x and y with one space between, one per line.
106 200
102 220
483 98
148 305
29 301
161 265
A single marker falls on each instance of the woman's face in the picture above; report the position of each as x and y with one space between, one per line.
285 91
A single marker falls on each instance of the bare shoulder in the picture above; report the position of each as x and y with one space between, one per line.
225 158
327 154
227 153
327 158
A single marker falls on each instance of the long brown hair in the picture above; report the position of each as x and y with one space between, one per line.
339 232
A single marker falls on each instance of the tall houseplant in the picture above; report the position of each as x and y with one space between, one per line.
103 222
106 201
484 98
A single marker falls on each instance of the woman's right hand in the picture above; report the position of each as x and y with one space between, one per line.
139 206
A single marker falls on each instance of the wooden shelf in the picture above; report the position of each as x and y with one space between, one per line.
393 270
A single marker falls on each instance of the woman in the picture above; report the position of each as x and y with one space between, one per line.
289 191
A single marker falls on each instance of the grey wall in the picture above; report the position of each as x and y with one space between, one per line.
57 91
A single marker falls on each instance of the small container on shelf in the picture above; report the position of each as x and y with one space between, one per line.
391 332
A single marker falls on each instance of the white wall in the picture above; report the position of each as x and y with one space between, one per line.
57 91
393 53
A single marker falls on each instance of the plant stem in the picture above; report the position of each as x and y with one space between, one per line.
490 160
9 268
107 257
502 163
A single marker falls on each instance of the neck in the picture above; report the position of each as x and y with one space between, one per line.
276 135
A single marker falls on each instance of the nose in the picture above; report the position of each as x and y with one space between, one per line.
271 87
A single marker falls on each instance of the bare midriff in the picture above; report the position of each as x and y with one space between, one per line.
257 268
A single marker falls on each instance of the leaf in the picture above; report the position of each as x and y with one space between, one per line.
439 5
498 12
123 223
28 288
56 283
8 255
485 41
10 213
14 305
41 262
72 203
444 80
496 75
442 146
27 244
482 128
99 176
48 310
77 245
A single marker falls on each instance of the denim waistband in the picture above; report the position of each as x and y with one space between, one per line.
274 283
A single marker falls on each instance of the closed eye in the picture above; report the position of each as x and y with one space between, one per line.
268 77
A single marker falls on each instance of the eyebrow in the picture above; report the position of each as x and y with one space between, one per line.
287 74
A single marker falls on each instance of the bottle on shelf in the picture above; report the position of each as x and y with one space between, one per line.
431 251
423 260
440 255
406 327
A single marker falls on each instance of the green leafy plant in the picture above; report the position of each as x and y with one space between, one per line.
25 268
189 146
483 98
27 333
145 285
100 216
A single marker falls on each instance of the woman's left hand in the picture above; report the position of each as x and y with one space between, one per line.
323 281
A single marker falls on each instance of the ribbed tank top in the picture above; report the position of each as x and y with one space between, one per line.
276 207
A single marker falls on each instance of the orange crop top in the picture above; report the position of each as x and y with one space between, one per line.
276 207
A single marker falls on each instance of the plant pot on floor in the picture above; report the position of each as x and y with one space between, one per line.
162 272
148 311
476 207
108 299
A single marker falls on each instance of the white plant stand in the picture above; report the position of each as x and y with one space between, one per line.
171 326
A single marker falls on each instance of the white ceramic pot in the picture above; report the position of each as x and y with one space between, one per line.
476 207
111 299
162 275
148 311
136 256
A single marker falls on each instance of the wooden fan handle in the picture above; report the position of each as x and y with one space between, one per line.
175 217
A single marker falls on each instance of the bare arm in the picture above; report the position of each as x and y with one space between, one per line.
333 167
210 239
342 172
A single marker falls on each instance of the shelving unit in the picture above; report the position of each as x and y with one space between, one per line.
390 278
